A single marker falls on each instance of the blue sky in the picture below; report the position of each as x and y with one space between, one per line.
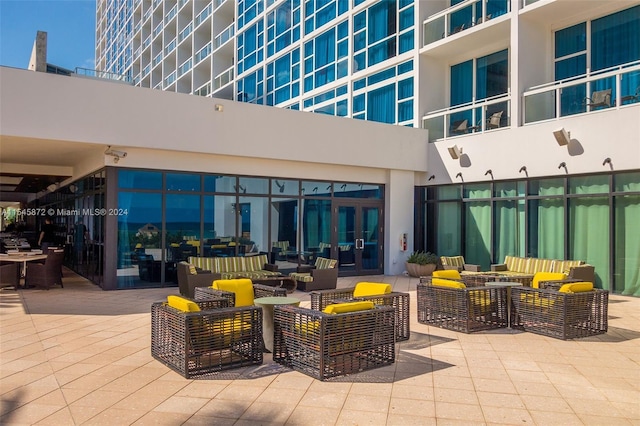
70 27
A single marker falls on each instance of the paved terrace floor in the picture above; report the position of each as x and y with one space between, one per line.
80 355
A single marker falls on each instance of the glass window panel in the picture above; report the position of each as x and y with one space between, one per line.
286 187
253 217
183 182
461 83
137 179
571 40
596 184
250 185
316 189
381 104
139 239
284 233
571 67
554 186
626 182
615 39
359 21
406 18
219 225
505 189
449 192
492 75
626 279
405 111
357 190
509 229
213 183
478 190
182 226
449 235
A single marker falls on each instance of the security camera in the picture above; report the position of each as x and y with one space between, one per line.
114 153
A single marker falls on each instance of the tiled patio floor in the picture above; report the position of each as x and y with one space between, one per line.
79 355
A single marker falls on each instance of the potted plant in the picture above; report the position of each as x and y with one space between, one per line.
421 263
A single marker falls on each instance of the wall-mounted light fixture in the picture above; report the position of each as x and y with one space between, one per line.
117 155
523 169
606 161
459 175
455 152
563 164
53 187
432 177
562 136
219 107
489 172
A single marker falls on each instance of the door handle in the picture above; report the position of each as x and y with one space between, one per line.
359 243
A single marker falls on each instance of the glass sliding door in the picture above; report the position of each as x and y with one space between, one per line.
626 279
315 237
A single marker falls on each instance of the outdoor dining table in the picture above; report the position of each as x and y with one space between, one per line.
508 285
21 257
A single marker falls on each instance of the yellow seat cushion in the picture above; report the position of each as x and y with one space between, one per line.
182 304
447 273
343 308
546 276
371 289
578 287
193 270
440 282
242 287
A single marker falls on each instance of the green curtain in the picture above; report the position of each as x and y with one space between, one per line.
478 233
589 235
627 245
550 229
509 229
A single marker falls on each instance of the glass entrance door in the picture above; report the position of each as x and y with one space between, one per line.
357 238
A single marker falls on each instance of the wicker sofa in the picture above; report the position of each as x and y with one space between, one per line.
227 268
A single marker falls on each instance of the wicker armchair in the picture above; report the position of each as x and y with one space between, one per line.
200 344
9 275
324 345
46 274
455 307
259 290
575 310
322 276
399 301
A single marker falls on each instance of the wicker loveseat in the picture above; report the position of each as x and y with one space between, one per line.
227 268
575 310
531 265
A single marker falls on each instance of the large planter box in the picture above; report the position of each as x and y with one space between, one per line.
418 271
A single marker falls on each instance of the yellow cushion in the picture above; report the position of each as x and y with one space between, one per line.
192 270
242 287
447 273
546 276
343 308
139 245
447 283
576 287
182 304
371 289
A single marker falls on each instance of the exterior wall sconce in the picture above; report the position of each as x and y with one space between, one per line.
432 177
563 164
524 169
459 175
455 152
489 172
606 161
219 107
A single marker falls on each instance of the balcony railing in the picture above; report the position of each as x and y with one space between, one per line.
146 70
158 29
616 86
205 90
526 3
185 32
172 45
217 3
223 78
475 117
170 79
224 36
157 59
102 74
203 15
460 17
147 14
203 53
186 66
147 42
182 3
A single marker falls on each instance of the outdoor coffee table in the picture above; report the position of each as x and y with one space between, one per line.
508 285
281 281
267 304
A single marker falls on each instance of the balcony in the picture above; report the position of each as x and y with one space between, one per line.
185 67
224 36
185 32
475 117
205 90
105 75
147 42
147 15
171 78
203 53
157 30
169 16
206 12
461 17
157 59
171 46
223 78
617 86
